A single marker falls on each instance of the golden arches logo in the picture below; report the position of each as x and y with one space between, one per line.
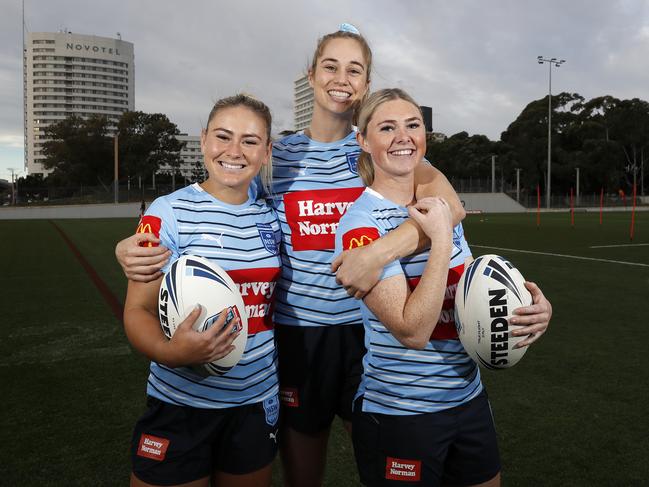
149 224
359 242
144 228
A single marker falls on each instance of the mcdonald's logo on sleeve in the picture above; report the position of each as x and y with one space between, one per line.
359 237
149 224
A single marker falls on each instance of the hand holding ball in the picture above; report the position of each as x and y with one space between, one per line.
490 289
194 280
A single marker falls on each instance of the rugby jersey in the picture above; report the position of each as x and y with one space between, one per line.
397 380
244 241
313 185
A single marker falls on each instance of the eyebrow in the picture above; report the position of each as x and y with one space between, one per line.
407 120
230 132
330 59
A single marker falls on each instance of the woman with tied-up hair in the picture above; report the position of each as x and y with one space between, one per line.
421 413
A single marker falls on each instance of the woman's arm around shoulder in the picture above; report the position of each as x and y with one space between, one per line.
359 269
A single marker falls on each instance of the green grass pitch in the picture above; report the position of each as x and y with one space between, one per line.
572 413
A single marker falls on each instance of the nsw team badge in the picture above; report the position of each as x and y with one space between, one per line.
352 162
267 236
458 234
271 408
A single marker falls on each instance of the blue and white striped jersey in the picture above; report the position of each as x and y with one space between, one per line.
244 241
313 185
397 380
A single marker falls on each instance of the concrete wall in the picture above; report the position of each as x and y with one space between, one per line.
478 202
490 203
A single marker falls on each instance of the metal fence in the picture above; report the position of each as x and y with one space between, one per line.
85 194
132 193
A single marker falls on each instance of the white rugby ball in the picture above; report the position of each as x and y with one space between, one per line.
488 292
193 280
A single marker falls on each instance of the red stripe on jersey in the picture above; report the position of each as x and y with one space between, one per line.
445 327
257 287
314 215
149 224
359 237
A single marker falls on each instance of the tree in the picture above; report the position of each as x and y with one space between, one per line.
79 151
630 129
524 143
198 173
147 142
31 187
462 157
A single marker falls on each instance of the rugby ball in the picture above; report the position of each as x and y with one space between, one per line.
488 292
193 280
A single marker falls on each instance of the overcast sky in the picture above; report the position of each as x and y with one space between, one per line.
473 61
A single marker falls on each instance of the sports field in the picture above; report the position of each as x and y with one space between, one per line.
574 412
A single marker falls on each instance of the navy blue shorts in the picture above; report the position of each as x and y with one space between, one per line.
178 444
320 369
454 447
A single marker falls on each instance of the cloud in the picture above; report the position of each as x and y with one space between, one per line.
474 62
12 141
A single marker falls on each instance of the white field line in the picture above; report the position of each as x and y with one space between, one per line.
619 245
576 257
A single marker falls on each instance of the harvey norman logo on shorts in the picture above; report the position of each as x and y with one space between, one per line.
289 397
152 447
314 216
403 470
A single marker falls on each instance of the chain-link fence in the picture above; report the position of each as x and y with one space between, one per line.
133 193
85 194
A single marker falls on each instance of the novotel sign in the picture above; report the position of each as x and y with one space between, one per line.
88 48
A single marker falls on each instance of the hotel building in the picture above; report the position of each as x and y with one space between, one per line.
70 74
302 103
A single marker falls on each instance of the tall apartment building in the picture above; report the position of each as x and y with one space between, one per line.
65 74
302 103
192 166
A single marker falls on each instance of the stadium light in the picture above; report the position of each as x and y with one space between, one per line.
13 185
556 63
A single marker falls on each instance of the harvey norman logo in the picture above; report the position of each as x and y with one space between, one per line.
152 447
402 469
256 287
314 216
445 328
71 46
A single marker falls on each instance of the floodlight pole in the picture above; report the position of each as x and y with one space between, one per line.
13 186
518 183
557 63
493 174
577 189
116 168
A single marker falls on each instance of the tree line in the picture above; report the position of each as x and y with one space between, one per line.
607 138
81 151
